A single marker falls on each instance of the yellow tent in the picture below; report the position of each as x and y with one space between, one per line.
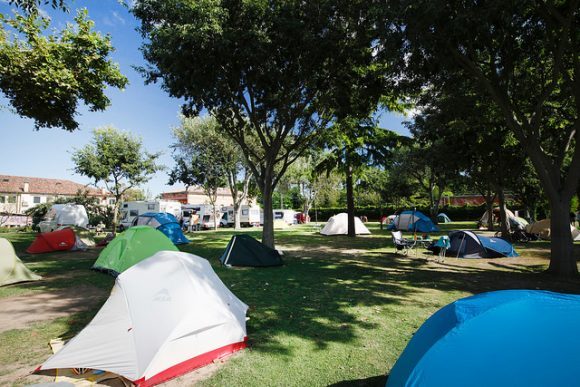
12 270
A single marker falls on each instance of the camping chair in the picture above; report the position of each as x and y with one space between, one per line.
443 243
401 243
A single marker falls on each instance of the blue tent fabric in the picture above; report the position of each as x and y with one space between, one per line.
498 245
504 338
422 222
467 244
168 226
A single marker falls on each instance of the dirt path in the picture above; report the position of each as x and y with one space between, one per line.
19 311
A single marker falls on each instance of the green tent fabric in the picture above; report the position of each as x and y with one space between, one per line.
130 247
12 270
243 250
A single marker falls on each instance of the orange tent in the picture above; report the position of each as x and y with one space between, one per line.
53 241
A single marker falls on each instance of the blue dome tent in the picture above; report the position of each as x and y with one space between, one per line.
164 222
410 220
466 244
504 338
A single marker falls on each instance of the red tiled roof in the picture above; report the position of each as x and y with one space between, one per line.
38 185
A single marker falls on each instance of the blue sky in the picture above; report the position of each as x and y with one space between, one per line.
146 111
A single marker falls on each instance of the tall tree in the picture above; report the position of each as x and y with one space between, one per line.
524 57
118 160
45 75
205 157
267 70
352 145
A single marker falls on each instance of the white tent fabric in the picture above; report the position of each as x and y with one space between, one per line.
338 225
542 228
69 214
485 216
165 316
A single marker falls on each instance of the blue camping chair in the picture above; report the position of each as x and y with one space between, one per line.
443 243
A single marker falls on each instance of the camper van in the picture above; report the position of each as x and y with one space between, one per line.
64 215
200 214
131 210
288 216
249 216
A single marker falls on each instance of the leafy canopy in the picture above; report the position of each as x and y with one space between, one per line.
117 159
45 76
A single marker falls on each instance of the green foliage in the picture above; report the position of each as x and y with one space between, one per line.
134 194
275 71
118 160
38 212
523 56
44 76
203 156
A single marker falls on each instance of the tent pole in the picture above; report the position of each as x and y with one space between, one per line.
230 251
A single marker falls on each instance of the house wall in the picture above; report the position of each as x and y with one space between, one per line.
224 197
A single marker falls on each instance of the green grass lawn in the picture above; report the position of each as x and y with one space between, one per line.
340 311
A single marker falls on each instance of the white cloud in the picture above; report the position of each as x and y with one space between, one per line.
118 17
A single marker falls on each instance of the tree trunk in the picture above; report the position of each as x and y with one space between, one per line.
215 219
437 201
237 215
349 197
116 213
562 262
489 208
504 221
267 191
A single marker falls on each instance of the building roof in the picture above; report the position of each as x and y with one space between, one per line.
39 185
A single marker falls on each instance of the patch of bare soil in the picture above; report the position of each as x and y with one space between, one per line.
193 377
20 311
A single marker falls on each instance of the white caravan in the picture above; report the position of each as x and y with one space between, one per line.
288 216
64 215
131 210
249 216
202 213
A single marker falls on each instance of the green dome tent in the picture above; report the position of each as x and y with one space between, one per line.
131 247
12 270
243 250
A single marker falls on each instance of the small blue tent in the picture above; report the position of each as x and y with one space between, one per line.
414 221
164 222
467 244
504 338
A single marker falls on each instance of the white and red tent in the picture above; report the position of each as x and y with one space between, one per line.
166 315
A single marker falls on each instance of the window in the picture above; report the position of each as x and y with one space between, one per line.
245 212
36 199
111 201
134 213
2 199
12 199
150 206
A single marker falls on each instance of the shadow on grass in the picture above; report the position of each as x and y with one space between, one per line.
315 295
373 381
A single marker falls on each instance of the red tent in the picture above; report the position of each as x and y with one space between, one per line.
53 241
